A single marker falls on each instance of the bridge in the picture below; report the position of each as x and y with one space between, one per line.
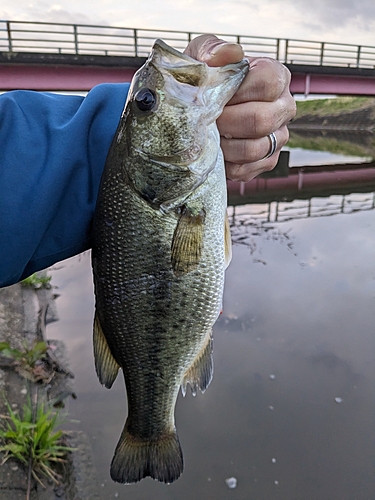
75 57
286 183
298 193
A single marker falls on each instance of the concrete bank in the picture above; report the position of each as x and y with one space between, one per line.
362 119
24 313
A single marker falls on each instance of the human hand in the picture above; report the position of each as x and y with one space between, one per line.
262 105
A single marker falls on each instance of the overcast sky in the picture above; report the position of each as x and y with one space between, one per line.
347 21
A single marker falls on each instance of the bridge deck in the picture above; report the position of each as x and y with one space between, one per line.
57 56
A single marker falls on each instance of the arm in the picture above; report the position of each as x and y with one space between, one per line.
53 150
54 147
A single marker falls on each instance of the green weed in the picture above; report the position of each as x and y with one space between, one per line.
330 144
32 439
37 281
323 107
32 363
27 356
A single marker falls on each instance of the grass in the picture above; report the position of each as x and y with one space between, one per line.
33 363
325 107
32 439
331 145
28 362
37 281
28 356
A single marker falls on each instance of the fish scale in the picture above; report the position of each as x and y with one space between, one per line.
159 252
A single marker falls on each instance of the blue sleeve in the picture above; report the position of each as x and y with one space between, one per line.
52 153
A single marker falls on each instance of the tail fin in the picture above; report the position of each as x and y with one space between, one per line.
136 458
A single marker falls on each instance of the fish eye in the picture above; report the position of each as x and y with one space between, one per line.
145 99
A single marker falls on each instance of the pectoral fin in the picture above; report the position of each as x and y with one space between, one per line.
105 364
200 374
187 242
227 242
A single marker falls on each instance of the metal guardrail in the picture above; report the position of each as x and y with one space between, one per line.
80 39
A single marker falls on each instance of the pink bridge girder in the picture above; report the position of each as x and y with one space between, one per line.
81 78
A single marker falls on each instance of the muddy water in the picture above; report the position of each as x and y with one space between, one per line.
290 413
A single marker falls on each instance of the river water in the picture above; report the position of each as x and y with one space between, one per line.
290 414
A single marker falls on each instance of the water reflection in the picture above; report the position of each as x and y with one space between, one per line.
349 143
291 409
286 182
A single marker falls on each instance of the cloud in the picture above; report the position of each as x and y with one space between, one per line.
336 21
334 14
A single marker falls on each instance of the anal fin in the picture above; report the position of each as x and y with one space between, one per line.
200 373
105 364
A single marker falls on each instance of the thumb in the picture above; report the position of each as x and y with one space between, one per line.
214 51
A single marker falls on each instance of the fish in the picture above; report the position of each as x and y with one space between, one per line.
161 243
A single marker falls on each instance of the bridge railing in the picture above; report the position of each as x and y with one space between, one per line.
22 36
329 54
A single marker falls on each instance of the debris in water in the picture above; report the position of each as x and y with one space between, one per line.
272 376
273 460
260 261
231 482
338 400
276 482
271 408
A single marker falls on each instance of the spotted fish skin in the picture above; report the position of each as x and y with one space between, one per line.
161 245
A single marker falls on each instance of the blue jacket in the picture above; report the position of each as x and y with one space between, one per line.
52 153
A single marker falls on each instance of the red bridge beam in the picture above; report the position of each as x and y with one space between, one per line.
63 78
81 73
65 72
332 84
332 80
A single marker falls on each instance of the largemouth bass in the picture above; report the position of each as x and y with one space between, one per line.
161 245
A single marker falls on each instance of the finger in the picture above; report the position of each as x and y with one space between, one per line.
247 172
244 151
266 81
254 119
214 51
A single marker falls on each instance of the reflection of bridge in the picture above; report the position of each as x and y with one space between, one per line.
298 193
285 183
281 211
251 220
51 56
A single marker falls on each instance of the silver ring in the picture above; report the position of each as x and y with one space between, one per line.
273 141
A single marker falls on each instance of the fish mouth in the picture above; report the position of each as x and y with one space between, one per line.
242 65
173 58
160 46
